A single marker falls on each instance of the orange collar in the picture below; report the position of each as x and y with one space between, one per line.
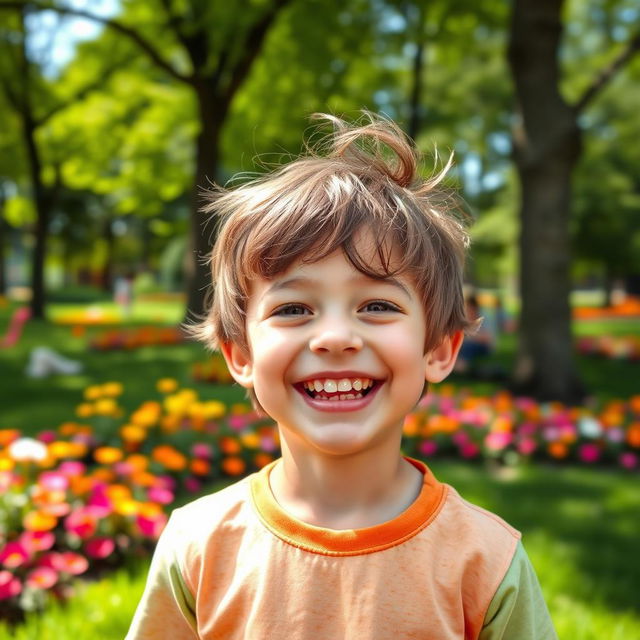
348 542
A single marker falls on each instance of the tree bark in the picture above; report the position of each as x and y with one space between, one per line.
546 147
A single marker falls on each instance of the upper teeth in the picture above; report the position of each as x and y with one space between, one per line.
343 384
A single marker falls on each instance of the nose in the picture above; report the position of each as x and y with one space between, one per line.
335 337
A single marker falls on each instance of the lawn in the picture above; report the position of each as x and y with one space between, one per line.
580 525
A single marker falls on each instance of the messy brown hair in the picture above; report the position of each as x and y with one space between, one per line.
363 176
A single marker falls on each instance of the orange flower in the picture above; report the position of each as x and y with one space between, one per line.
39 521
170 423
93 392
250 440
233 466
7 436
107 455
138 462
200 467
81 485
633 435
558 450
104 475
229 445
143 479
147 415
262 460
170 457
132 433
411 423
634 404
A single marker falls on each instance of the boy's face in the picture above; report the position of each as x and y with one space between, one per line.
337 358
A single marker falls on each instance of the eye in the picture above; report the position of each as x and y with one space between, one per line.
291 309
379 306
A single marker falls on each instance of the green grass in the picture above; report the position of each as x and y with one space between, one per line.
579 528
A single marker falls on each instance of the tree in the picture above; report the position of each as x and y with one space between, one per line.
209 47
547 143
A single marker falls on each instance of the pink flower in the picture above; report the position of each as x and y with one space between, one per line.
628 460
469 450
202 450
51 560
527 446
428 447
42 578
237 423
589 452
73 563
99 547
166 482
160 495
99 502
10 586
72 468
151 527
13 555
47 436
53 481
497 440
615 434
460 438
192 484
35 541
268 444
83 522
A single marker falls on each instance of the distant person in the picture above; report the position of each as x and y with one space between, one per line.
479 343
338 299
123 294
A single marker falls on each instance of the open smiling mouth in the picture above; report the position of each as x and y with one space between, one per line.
338 389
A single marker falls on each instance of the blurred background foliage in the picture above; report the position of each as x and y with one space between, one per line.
109 136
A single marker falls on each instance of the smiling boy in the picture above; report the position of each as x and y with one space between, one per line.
338 298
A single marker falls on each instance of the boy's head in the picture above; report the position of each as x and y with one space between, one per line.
365 181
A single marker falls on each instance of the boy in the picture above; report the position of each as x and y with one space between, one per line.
338 298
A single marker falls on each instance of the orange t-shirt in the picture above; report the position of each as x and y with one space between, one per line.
235 565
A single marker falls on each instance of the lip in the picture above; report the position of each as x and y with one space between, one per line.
340 406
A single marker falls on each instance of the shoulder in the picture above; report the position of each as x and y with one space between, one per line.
195 522
471 523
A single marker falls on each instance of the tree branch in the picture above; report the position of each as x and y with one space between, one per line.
81 93
253 43
606 75
130 33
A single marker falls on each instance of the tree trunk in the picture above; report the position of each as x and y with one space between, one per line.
201 232
547 144
43 205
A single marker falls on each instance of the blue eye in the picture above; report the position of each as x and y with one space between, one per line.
380 306
291 310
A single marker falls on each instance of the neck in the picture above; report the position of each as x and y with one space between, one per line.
345 492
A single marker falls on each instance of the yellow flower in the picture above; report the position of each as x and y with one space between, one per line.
167 385
133 433
214 409
250 440
84 410
93 392
106 407
6 464
112 389
107 455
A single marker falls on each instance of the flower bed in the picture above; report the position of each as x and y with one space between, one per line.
117 339
82 498
213 370
511 430
611 347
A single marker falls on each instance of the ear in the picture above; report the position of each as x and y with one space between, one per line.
239 364
439 361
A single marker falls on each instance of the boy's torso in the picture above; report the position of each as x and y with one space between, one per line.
254 573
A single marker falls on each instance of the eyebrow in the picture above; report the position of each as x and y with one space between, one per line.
299 282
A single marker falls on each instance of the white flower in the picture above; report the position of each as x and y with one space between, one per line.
589 427
27 450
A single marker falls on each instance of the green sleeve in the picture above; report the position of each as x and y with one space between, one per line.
166 610
518 610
